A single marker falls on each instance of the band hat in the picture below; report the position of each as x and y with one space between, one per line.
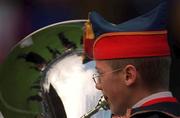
143 36
131 45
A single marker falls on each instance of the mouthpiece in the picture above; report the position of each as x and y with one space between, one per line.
102 103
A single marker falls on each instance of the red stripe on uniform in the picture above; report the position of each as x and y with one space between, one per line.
159 100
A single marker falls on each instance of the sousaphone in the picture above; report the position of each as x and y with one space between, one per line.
46 75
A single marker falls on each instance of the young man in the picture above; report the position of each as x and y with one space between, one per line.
133 64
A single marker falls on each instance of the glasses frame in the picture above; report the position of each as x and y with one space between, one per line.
96 75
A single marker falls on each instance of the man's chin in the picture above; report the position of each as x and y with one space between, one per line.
116 112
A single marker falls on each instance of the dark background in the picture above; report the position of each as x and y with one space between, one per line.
18 18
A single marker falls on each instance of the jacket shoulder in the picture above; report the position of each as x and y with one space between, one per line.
159 110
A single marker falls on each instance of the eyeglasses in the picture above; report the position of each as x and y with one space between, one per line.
96 76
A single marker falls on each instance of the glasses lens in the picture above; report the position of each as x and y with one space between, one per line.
95 77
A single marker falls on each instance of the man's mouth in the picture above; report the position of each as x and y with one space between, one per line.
103 102
106 98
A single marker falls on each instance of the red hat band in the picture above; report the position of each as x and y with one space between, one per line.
131 45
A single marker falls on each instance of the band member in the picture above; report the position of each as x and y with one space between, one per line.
133 64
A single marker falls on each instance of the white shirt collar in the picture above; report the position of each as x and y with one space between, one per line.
153 96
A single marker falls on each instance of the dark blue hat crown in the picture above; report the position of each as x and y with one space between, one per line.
154 20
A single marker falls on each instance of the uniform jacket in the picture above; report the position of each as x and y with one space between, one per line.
158 110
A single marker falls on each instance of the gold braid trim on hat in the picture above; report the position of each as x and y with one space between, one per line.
88 31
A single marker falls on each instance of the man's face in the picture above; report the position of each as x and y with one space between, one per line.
113 87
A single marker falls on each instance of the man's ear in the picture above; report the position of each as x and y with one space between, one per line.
130 74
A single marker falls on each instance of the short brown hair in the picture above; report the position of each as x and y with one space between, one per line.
154 70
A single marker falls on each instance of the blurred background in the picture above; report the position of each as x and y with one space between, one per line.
18 18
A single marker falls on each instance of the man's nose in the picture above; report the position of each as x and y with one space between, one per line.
98 86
